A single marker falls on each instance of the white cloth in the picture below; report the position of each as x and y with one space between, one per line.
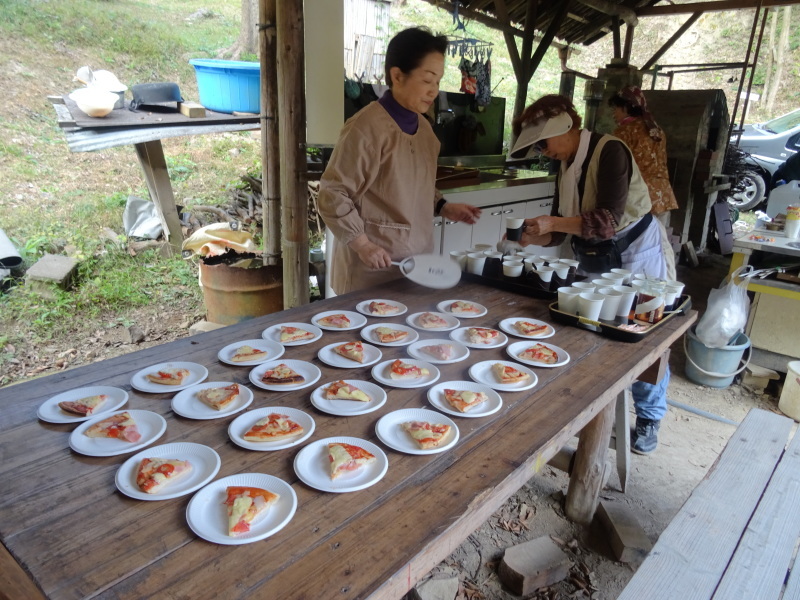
568 196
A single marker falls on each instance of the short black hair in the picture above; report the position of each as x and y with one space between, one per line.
408 48
618 101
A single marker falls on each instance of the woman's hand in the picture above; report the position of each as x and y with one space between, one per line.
463 213
370 253
537 227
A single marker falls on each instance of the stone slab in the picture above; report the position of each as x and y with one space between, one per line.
529 566
53 268
627 539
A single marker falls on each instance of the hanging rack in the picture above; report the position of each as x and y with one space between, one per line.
471 48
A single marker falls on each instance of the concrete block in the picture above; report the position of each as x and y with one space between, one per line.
51 271
436 589
203 327
529 566
628 540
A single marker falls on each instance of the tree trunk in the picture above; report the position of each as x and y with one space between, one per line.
770 62
248 33
783 44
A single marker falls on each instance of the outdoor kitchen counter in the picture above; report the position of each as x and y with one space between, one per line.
70 532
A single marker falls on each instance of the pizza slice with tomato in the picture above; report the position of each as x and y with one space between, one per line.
439 351
461 307
247 353
508 374
531 329
540 353
340 320
294 334
426 435
345 458
174 376
83 406
272 428
403 370
482 335
154 474
219 397
387 335
429 320
341 390
352 350
245 504
382 308
464 400
120 426
282 375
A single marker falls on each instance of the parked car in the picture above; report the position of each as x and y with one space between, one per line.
766 146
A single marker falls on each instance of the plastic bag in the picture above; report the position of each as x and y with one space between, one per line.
726 313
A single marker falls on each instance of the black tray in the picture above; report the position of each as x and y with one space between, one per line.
518 285
612 330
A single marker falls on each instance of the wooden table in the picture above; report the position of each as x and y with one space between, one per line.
74 535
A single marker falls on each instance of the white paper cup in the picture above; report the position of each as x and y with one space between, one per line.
568 261
669 299
475 262
529 264
482 247
610 304
459 256
590 305
626 301
493 254
512 269
584 286
674 286
625 273
617 278
545 273
561 269
600 282
568 299
549 259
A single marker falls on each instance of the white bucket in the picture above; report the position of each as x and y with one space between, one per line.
789 404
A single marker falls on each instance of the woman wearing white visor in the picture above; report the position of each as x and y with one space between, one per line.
603 202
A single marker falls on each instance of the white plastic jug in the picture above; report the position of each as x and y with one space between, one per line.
789 404
782 196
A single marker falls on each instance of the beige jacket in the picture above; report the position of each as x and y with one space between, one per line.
381 182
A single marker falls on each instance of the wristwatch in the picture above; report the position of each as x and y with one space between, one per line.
439 206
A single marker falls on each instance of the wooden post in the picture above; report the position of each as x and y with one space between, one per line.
154 165
590 462
292 130
270 143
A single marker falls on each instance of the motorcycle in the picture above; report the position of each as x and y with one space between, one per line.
750 176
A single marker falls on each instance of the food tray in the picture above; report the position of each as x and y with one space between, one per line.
517 285
612 330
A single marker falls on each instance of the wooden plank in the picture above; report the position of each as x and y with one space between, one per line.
14 582
765 553
156 174
622 445
693 552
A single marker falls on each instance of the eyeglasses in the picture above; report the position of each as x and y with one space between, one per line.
540 146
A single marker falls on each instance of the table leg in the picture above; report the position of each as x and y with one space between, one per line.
623 439
590 461
156 174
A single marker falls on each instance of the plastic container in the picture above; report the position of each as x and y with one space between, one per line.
789 404
714 367
782 196
228 85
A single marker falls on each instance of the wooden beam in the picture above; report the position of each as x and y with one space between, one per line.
617 41
613 10
626 51
270 141
668 44
675 9
547 38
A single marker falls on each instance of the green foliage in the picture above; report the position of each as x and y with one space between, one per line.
180 167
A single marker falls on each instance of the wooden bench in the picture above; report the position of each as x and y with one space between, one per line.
735 536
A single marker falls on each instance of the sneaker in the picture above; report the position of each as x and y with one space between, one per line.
644 439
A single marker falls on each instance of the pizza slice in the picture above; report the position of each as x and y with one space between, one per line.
174 376
402 370
352 350
482 335
430 320
427 435
341 390
272 428
84 406
294 334
387 335
248 353
345 458
540 353
219 397
508 374
282 375
460 307
120 426
439 351
156 473
464 400
339 320
245 504
531 329
382 308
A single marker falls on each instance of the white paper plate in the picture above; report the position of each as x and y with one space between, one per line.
273 333
274 351
205 466
187 404
444 306
357 320
460 351
334 359
363 308
369 335
507 325
207 514
151 427
482 373
380 373
348 408
452 322
390 432
491 406
460 335
242 424
306 369
313 467
197 373
514 350
50 412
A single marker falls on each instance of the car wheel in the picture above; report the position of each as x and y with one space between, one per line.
749 193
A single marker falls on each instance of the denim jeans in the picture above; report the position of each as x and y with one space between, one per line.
649 400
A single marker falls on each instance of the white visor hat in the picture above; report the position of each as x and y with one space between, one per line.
540 130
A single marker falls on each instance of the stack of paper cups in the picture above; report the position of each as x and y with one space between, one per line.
792 227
